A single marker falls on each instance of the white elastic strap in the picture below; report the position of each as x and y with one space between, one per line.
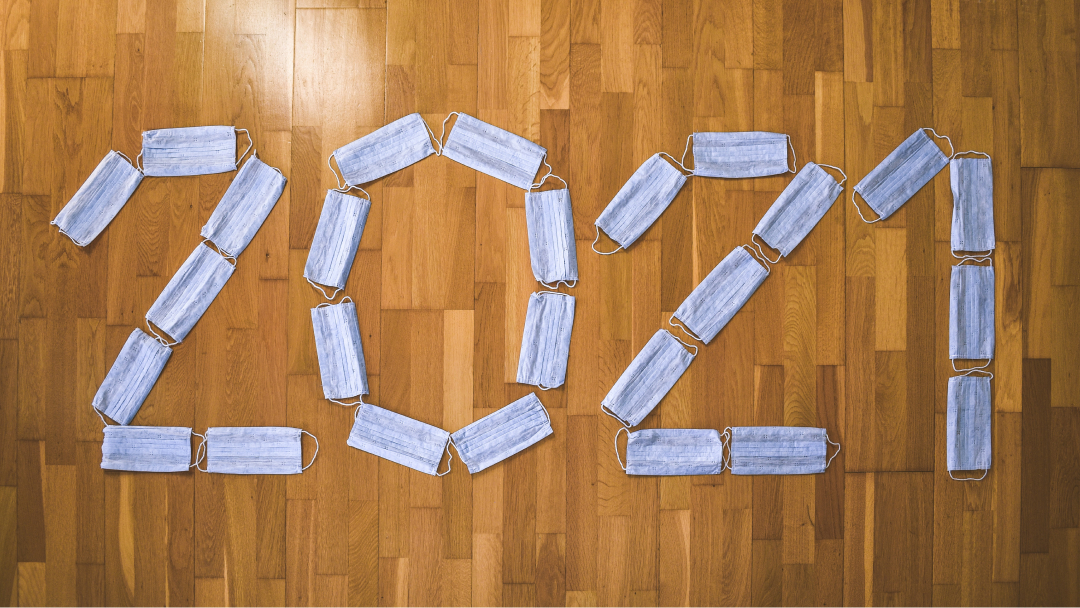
972 152
671 322
200 452
359 401
319 287
794 159
952 150
450 458
688 346
989 375
316 449
336 178
138 162
160 340
544 178
970 369
753 236
617 445
974 258
603 408
759 256
98 412
688 171
250 143
544 388
438 144
853 191
597 239
347 187
838 169
985 471
569 284
442 145
725 463
332 304
225 254
682 161
546 414
830 442
126 158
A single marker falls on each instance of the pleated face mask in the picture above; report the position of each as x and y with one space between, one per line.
744 154
341 224
384 151
903 173
968 432
131 377
973 204
545 344
191 151
250 198
640 202
971 312
255 450
552 250
493 151
798 209
190 292
157 449
502 433
99 199
399 439
723 292
650 376
340 350
672 452
779 450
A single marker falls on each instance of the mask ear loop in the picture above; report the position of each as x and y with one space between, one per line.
316 449
597 239
757 246
838 169
450 458
319 287
332 304
160 340
138 162
544 409
989 375
250 144
853 191
682 161
688 346
974 258
753 252
569 284
831 442
617 446
442 134
200 452
729 434
225 254
952 150
688 171
971 369
985 471
336 178
359 399
437 145
794 159
98 412
125 157
546 175
671 322
604 408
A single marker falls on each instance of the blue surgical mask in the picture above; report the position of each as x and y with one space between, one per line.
545 343
552 250
672 452
649 377
969 435
903 173
189 293
340 350
341 224
972 182
779 450
971 313
250 198
99 199
715 300
156 449
638 204
383 151
740 154
493 151
191 151
798 209
255 450
502 433
131 377
399 439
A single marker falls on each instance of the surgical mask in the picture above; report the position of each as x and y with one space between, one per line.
502 433
798 209
191 151
903 173
968 426
189 293
741 154
340 350
723 292
552 250
383 151
971 313
650 376
545 344
99 199
493 151
672 452
250 198
973 205
400 439
131 377
255 450
779 450
639 202
341 224
156 449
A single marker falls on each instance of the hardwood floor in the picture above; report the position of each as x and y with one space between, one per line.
850 332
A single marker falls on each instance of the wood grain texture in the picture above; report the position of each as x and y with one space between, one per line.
848 333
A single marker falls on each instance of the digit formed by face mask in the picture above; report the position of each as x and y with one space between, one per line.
340 350
545 344
798 209
131 377
384 151
971 313
640 202
502 433
552 250
399 439
250 198
493 151
972 182
969 435
779 450
341 224
191 151
255 450
649 377
715 300
99 199
903 173
157 449
741 154
672 452
189 293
